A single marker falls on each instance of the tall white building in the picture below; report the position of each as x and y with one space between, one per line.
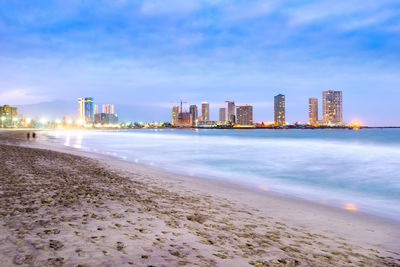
108 108
95 109
85 110
332 107
230 111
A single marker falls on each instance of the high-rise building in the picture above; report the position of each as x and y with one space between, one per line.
105 118
279 110
312 110
205 111
85 110
194 114
244 115
95 109
108 108
230 111
222 114
184 119
8 115
332 107
176 110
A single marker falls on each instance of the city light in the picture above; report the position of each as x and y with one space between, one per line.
58 121
28 120
350 207
43 121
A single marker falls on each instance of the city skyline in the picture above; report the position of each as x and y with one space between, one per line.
143 56
332 112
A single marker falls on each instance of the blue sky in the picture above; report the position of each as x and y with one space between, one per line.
144 56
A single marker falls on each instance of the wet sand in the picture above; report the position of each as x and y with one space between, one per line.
66 207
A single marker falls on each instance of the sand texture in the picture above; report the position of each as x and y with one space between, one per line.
60 209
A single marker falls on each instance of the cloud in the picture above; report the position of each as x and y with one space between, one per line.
336 12
249 10
368 21
21 97
166 7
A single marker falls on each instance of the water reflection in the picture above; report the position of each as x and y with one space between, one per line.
78 141
263 187
350 207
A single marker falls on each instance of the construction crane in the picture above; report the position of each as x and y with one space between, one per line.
182 102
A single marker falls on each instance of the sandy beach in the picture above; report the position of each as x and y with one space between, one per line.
64 207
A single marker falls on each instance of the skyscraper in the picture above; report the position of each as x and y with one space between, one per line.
312 110
332 107
194 113
230 111
7 115
205 111
222 114
95 109
176 110
279 110
85 109
244 115
108 108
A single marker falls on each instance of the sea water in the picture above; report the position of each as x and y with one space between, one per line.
357 170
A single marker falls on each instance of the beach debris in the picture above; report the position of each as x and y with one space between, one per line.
221 255
56 262
199 218
55 244
23 259
120 246
80 252
177 253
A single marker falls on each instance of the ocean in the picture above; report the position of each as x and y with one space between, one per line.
356 170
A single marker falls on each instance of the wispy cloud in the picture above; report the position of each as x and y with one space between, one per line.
164 7
21 97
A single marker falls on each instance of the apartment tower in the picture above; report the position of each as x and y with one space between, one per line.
332 107
108 108
312 111
85 109
230 111
222 114
205 111
194 114
244 115
279 110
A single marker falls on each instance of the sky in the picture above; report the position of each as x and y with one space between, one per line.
145 56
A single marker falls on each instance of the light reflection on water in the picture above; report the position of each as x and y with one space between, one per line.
336 167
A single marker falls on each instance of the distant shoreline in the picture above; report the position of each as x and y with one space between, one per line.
216 128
